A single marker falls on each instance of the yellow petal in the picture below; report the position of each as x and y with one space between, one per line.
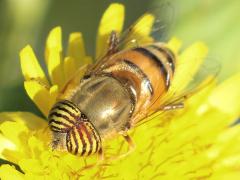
72 82
76 49
30 66
30 120
174 44
13 132
41 96
69 67
73 162
54 57
29 165
223 175
140 32
88 60
112 19
9 172
188 64
54 92
226 97
55 69
14 126
5 144
54 41
144 26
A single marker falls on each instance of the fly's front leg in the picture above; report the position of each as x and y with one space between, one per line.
131 147
100 155
113 42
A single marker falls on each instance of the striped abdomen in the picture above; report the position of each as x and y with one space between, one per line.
81 137
147 70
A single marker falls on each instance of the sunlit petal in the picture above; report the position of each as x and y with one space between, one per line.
9 172
188 64
174 44
5 144
53 56
230 90
43 97
142 30
76 48
31 69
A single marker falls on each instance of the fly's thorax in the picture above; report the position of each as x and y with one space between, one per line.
106 102
72 130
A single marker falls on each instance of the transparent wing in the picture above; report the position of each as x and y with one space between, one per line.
73 82
185 83
151 27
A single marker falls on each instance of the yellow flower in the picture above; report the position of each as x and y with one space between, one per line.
200 142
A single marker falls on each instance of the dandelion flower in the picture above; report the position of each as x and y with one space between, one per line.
199 143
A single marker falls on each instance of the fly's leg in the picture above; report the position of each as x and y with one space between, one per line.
131 147
113 42
100 155
172 107
99 161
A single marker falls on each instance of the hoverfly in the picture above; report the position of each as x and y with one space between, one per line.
127 84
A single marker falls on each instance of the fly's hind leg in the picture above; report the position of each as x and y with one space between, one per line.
173 107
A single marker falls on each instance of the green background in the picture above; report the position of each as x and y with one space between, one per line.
22 22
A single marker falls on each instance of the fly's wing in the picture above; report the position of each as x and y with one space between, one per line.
188 78
191 76
150 27
73 82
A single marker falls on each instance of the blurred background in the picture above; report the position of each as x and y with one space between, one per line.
23 22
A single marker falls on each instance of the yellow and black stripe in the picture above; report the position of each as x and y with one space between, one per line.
168 54
81 136
162 57
152 65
